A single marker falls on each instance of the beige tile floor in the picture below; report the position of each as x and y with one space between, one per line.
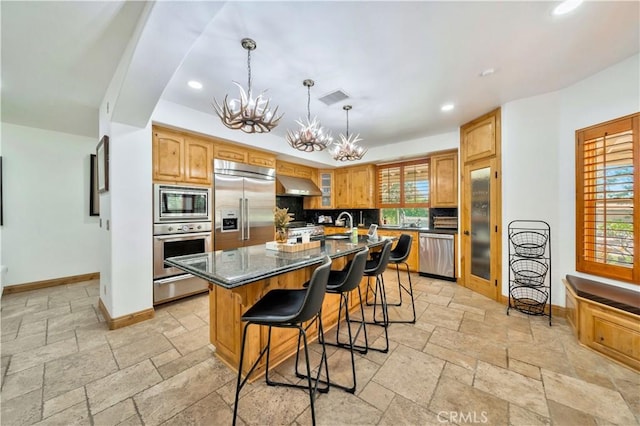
464 361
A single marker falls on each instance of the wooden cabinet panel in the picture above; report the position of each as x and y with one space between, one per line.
444 180
290 169
198 158
168 156
612 332
262 159
480 138
342 191
230 152
284 168
413 258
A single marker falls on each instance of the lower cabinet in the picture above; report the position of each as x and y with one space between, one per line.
412 260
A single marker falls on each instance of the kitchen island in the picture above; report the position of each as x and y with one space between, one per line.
238 278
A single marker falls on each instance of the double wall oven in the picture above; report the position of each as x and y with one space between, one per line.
182 225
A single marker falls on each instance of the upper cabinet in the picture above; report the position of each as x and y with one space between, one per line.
354 187
230 152
444 180
168 156
290 169
325 179
479 138
198 161
262 159
178 158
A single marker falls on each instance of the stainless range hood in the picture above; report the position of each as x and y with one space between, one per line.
289 185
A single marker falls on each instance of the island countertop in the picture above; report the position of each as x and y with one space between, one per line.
244 265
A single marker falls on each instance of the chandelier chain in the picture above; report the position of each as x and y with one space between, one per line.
249 72
309 102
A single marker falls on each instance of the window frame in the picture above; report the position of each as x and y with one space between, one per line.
402 203
598 268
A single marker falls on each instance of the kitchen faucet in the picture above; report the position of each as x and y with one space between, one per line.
349 216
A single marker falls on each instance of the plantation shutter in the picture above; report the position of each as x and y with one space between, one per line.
404 184
416 184
607 210
389 185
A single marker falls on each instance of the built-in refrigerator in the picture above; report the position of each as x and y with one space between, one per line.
244 202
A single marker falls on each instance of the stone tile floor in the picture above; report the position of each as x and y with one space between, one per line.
464 361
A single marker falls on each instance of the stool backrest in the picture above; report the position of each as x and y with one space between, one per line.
383 260
402 249
315 292
354 274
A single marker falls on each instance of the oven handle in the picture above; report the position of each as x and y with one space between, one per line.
172 279
181 236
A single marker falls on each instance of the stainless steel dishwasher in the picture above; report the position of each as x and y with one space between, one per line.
436 256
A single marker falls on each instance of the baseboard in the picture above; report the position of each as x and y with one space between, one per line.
125 320
19 288
556 311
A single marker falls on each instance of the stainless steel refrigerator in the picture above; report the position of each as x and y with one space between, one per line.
244 199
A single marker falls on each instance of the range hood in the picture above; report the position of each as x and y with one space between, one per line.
289 185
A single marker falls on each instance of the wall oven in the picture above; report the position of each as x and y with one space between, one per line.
175 203
177 239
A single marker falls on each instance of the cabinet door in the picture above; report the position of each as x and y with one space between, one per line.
262 159
481 137
304 172
230 152
199 158
326 186
342 191
362 184
168 156
285 169
444 180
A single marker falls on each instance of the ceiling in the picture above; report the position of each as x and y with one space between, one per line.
399 62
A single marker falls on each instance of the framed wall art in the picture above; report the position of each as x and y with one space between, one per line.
102 152
94 195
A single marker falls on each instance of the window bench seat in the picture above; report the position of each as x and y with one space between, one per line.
605 318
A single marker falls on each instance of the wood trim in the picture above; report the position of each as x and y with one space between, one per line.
556 311
125 320
73 279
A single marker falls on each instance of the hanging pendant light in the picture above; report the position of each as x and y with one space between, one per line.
347 149
247 114
311 136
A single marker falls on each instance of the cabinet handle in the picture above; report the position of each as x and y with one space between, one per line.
466 232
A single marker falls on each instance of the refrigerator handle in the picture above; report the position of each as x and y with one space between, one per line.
246 217
241 208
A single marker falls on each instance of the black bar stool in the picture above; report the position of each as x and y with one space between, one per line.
289 308
343 282
375 268
399 256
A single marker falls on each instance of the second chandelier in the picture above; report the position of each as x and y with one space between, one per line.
310 136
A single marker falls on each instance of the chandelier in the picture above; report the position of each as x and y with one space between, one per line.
346 149
247 114
310 137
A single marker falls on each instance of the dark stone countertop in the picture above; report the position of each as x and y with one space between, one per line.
410 228
244 265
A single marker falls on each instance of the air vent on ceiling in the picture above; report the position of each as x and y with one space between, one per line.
334 97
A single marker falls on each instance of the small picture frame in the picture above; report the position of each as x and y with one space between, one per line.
102 152
94 196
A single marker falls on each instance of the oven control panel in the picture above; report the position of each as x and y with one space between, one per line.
181 228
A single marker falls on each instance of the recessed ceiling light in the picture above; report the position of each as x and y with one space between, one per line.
566 7
447 107
487 72
195 84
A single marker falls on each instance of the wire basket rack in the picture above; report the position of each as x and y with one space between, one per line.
530 267
529 300
529 243
529 272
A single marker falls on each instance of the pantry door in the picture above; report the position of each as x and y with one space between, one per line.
481 212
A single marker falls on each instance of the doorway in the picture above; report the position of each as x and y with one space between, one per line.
481 213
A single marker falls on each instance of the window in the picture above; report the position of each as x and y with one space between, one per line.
608 199
403 192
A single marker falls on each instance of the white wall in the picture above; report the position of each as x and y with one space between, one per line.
538 141
47 231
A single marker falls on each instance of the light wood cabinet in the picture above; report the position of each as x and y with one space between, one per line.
413 259
480 138
168 156
290 169
262 159
444 180
230 152
198 161
178 158
325 180
354 187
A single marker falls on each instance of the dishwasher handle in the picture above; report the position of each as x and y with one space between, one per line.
437 236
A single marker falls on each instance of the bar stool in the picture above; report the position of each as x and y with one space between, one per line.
343 282
289 308
375 268
399 256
